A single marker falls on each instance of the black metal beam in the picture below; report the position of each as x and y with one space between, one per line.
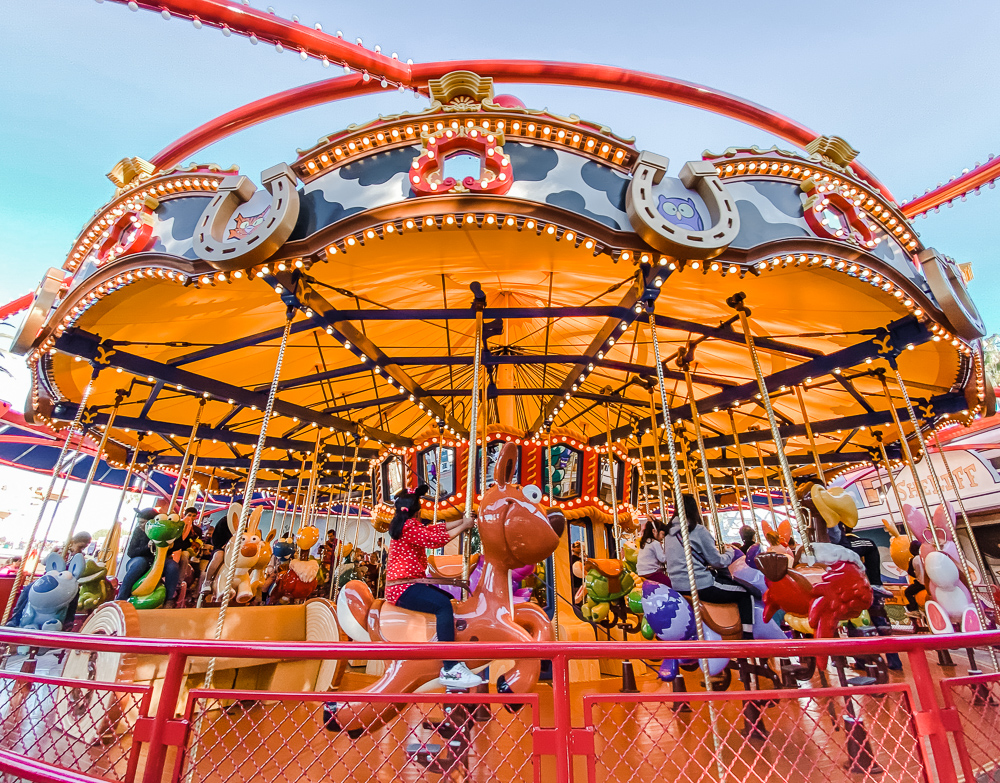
77 342
206 432
945 403
297 291
899 333
640 288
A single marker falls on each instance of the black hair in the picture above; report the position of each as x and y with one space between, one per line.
190 510
692 510
407 506
653 526
748 535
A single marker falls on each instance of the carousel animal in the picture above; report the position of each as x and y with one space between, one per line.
671 619
95 588
949 603
905 552
50 602
149 592
820 591
515 530
300 580
246 553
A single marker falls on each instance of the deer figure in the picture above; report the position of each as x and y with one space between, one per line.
515 530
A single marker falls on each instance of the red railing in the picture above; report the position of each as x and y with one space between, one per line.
905 731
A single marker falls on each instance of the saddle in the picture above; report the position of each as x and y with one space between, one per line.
724 619
404 626
610 569
449 566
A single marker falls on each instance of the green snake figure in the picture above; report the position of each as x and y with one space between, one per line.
149 592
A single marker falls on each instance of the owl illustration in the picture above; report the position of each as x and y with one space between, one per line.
245 226
680 212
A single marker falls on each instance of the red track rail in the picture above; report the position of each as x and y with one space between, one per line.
958 187
311 42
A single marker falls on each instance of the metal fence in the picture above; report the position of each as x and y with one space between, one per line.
923 729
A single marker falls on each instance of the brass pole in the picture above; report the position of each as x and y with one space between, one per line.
746 480
909 460
743 312
696 420
119 397
809 434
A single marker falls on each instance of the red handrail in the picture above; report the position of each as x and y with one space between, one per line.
481 650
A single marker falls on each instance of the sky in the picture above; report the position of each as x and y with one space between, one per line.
912 85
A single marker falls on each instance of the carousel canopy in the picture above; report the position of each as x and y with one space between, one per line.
385 242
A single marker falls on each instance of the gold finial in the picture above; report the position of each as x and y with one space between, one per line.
128 170
460 84
833 149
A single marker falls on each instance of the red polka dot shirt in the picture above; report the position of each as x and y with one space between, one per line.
408 554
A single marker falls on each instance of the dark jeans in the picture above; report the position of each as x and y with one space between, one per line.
911 593
432 600
138 566
726 592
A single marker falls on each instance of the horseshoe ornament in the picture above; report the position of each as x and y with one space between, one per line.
946 283
238 249
34 319
646 196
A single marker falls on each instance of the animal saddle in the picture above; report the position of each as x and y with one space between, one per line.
449 566
610 569
724 619
395 624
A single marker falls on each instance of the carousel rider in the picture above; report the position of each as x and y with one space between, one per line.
711 574
141 553
411 538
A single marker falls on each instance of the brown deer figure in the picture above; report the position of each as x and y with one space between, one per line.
515 530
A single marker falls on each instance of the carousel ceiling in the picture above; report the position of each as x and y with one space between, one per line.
382 243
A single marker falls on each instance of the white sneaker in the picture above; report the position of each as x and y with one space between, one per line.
458 677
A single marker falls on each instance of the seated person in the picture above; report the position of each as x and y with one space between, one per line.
221 535
748 538
11 568
78 544
652 557
141 553
715 585
411 538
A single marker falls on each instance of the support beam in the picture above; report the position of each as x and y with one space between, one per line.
76 342
905 331
612 328
220 434
945 403
297 291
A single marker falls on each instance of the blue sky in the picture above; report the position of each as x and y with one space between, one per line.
913 85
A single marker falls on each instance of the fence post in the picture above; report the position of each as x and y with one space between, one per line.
562 717
153 772
929 719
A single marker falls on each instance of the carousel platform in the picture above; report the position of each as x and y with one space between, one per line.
934 720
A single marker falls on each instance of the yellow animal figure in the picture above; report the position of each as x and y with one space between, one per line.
246 553
258 572
901 550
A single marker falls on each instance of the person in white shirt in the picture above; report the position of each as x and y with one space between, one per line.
652 558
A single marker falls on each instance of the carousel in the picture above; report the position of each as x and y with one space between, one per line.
502 313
